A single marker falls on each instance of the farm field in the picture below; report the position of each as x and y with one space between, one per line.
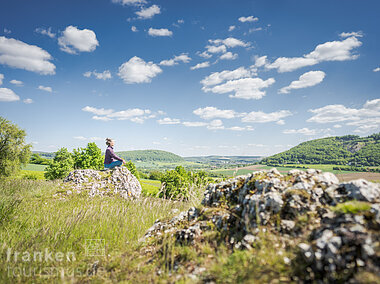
34 167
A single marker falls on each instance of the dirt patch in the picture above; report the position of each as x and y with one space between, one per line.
374 177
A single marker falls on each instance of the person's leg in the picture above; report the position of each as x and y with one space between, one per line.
115 164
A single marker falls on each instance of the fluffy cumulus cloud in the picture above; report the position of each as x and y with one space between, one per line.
168 120
328 51
74 40
216 49
176 59
46 32
136 115
377 69
1 78
365 119
18 54
213 112
304 131
307 79
101 76
7 95
231 28
262 117
246 88
134 29
355 34
228 56
136 70
159 32
147 13
16 82
46 89
240 82
194 123
129 2
200 65
229 42
249 19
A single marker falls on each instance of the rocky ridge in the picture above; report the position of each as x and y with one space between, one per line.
117 181
333 227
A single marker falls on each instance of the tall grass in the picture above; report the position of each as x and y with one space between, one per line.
34 219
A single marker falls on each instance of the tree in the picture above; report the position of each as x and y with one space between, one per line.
61 165
37 159
88 158
14 152
132 168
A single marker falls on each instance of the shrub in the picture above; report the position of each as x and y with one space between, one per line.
132 168
88 158
61 165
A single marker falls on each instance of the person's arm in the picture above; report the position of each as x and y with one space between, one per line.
116 157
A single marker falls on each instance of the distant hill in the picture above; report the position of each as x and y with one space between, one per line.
341 150
224 159
46 155
150 156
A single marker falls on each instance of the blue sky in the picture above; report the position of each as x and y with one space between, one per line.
191 77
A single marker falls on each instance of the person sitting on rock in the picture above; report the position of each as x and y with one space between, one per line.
111 160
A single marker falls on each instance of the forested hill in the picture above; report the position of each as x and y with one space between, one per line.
150 156
341 150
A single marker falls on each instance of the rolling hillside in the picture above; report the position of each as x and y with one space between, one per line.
341 150
150 156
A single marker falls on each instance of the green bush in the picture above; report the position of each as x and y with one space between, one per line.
132 168
88 158
61 165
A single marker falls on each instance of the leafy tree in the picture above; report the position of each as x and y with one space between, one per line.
37 159
88 158
132 168
61 165
14 152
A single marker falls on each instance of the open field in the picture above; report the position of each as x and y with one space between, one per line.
33 167
373 177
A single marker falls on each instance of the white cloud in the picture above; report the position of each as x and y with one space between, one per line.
1 78
7 95
46 32
204 54
328 51
218 77
213 112
377 69
28 101
231 28
216 49
194 124
337 126
101 76
74 40
229 56
97 111
262 117
365 119
174 61
280 122
307 79
129 2
304 131
136 70
354 34
134 29
147 13
15 82
248 19
229 42
215 124
200 65
168 120
255 30
82 138
159 32
239 128
7 31
18 54
136 115
46 89
246 88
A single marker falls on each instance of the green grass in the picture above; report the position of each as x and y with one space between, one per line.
33 219
34 167
150 187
